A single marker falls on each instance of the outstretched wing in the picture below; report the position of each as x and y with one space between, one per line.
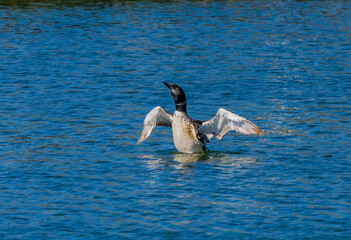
156 117
224 121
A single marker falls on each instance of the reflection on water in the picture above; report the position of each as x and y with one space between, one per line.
187 161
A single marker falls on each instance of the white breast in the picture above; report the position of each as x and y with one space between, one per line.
184 135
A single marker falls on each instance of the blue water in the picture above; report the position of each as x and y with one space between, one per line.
78 77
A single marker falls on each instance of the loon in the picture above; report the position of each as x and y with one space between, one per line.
190 136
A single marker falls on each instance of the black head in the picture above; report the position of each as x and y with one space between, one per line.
178 96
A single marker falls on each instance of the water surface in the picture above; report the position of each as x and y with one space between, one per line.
77 79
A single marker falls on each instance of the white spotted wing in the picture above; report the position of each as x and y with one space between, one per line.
156 117
224 121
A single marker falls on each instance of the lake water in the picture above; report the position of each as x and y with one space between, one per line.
78 77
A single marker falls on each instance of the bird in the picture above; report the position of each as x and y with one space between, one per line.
189 135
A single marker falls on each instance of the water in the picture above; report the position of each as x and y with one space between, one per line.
77 79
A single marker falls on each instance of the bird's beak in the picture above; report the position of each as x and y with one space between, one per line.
167 85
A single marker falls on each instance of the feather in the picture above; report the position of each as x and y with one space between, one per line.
156 117
224 121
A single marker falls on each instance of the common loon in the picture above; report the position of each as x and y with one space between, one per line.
190 136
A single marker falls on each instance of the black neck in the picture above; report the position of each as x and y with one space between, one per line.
181 107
